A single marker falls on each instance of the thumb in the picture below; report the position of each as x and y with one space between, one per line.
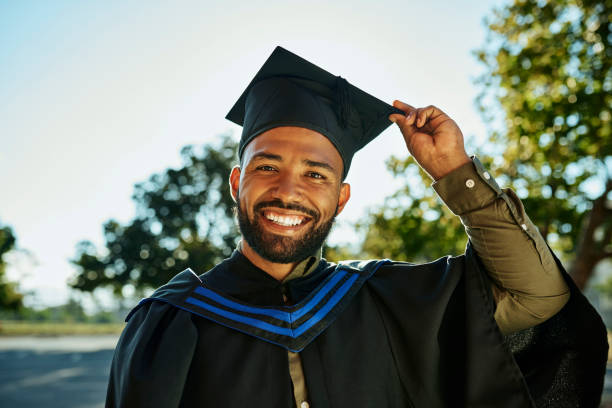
403 106
397 118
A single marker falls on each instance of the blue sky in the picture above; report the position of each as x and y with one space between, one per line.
99 95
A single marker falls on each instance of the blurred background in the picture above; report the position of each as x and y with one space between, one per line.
115 151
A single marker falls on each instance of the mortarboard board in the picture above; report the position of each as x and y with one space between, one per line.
290 91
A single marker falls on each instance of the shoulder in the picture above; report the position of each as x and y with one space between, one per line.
184 281
172 293
159 321
164 307
157 343
412 279
385 266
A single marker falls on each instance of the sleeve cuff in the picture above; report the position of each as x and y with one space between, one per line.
468 188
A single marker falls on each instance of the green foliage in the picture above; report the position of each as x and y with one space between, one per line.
604 287
184 219
9 297
546 92
336 253
69 313
413 224
45 328
546 95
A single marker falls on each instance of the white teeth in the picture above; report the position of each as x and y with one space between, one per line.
284 221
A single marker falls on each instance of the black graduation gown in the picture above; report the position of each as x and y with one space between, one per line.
370 334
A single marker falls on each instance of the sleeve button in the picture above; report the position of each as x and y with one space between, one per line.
304 404
486 175
469 183
524 226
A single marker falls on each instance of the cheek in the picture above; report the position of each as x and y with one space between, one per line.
328 204
248 194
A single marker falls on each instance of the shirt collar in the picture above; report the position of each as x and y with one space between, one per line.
300 270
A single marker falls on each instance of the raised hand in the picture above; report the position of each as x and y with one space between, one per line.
432 137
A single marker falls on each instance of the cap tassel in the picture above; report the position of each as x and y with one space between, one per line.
343 101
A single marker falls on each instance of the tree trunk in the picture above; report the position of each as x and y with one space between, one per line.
590 251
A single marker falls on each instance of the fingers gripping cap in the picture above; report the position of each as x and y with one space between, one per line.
290 91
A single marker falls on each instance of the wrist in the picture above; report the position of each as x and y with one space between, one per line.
447 166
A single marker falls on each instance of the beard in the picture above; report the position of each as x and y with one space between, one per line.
278 248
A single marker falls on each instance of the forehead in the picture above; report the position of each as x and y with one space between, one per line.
294 142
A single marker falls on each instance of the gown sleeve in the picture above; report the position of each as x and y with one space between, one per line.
152 358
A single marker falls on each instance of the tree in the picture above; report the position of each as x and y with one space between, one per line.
547 89
546 94
413 225
184 219
10 299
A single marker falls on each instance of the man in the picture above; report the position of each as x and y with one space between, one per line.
277 326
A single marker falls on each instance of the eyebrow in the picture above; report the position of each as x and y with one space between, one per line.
268 156
323 165
310 163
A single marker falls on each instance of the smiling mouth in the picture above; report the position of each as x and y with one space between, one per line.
285 220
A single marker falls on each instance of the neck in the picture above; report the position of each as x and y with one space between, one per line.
278 271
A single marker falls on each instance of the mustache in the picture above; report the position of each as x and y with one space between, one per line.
287 206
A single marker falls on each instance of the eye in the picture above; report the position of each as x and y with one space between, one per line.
315 175
265 168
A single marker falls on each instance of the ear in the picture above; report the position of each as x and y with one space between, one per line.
345 194
234 182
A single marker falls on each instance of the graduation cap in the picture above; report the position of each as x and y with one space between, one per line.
290 91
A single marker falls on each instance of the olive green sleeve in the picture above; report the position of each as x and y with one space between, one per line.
527 284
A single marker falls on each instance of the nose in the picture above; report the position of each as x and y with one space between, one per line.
288 188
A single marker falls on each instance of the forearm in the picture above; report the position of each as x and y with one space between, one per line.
527 284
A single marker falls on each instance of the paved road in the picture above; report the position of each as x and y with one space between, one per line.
60 372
